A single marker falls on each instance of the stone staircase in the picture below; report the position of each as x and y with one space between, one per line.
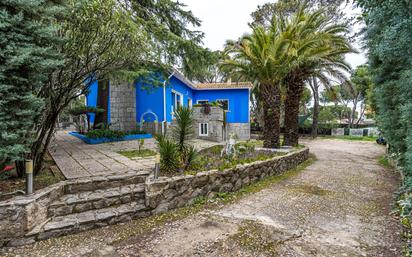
92 204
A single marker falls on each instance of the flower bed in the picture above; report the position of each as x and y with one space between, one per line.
210 158
93 141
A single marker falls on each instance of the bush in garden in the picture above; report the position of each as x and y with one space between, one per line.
169 154
176 154
183 130
105 133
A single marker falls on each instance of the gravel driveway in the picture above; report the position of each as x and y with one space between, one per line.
338 206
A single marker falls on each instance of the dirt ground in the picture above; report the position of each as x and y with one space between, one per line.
338 206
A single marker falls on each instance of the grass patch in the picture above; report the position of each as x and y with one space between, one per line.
137 153
257 238
210 158
309 189
383 160
351 138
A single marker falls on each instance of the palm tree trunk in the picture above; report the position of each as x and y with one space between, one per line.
271 115
294 93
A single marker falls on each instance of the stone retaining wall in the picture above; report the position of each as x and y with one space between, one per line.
169 193
23 218
21 214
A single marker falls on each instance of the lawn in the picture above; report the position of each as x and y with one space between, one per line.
210 158
351 138
136 153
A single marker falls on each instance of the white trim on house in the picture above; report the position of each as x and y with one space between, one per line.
189 102
248 107
202 100
206 127
175 103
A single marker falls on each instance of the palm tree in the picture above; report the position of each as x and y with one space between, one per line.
260 57
316 49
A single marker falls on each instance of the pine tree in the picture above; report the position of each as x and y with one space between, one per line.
26 59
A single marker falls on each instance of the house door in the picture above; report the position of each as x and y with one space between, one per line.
189 103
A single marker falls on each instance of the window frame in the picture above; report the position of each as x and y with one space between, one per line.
202 100
205 127
174 103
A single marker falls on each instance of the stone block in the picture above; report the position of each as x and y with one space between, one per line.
356 132
338 132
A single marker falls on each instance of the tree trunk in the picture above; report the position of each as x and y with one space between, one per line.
44 142
102 102
293 95
315 115
271 115
352 115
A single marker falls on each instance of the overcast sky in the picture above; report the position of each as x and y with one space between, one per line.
228 19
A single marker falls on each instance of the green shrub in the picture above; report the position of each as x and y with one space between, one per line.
191 157
79 110
105 133
136 132
183 130
169 155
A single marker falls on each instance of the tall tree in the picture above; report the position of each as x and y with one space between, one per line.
388 37
361 83
264 13
28 32
334 9
103 39
259 57
317 46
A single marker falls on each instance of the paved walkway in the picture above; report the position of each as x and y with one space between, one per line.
77 159
338 206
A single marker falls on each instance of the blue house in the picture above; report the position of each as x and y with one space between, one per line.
151 107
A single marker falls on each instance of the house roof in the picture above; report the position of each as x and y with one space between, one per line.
225 85
205 86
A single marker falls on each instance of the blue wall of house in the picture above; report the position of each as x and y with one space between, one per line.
91 100
238 102
150 99
179 87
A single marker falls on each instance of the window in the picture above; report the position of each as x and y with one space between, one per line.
224 103
203 129
202 101
177 100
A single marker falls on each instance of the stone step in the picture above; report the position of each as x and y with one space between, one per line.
98 199
73 223
105 182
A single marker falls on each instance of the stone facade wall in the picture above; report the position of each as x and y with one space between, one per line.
242 130
214 120
123 107
169 193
